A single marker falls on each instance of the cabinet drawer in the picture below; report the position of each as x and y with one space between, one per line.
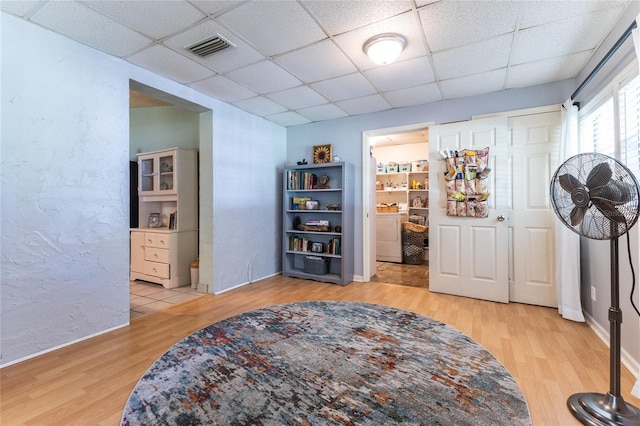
162 241
150 240
156 255
156 269
156 240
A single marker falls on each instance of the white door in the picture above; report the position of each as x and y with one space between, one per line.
469 256
534 140
372 219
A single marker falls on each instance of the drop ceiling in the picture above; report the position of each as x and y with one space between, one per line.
296 62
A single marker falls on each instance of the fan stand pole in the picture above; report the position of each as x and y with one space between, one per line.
608 409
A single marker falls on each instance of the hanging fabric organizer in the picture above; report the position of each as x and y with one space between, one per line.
466 182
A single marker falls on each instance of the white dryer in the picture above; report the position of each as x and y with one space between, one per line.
389 236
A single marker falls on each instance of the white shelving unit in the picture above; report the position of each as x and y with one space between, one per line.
398 188
336 243
168 185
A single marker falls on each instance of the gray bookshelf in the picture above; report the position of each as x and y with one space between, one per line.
316 251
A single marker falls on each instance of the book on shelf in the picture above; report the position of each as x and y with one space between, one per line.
299 203
333 247
297 180
299 243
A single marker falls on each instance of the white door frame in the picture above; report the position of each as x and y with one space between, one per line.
367 244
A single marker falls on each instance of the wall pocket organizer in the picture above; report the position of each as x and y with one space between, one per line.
466 182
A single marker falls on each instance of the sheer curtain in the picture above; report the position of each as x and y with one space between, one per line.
567 241
636 42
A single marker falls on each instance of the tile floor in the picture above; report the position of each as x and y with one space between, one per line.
146 297
402 274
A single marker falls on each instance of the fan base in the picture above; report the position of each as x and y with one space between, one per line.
596 409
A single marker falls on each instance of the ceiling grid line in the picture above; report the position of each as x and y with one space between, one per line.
293 55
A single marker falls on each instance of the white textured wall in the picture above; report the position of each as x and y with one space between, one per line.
64 190
247 199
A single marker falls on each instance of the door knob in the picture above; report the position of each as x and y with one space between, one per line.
501 218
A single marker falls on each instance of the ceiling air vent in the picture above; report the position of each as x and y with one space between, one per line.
210 45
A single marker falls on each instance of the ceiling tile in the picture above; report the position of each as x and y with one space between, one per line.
273 27
19 7
297 97
473 58
223 89
168 63
322 112
543 12
288 118
413 96
401 75
214 7
320 61
264 77
405 25
226 60
260 106
338 16
456 23
156 19
367 104
476 84
82 24
341 88
546 71
548 41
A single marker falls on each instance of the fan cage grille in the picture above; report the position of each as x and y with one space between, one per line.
613 207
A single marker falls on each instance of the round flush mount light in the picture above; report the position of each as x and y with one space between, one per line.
384 48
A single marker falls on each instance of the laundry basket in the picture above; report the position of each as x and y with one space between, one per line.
412 247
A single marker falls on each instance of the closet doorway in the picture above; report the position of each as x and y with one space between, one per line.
399 189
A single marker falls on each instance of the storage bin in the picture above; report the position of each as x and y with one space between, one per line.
392 167
316 265
412 247
404 167
420 166
386 209
381 168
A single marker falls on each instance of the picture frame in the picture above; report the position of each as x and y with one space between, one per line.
322 154
317 247
312 205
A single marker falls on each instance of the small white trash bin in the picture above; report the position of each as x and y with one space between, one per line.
195 273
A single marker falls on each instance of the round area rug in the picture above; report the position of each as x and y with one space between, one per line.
316 363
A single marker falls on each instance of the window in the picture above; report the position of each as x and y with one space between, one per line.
630 125
610 123
597 130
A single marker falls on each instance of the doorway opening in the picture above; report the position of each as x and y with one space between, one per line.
395 190
160 121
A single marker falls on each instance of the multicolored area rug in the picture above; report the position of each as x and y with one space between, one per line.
335 363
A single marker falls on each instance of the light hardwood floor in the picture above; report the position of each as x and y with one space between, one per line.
88 383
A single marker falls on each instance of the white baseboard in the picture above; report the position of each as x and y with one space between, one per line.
625 358
245 283
54 348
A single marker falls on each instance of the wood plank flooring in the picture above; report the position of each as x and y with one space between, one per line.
88 383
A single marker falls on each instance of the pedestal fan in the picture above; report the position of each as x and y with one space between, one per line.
597 197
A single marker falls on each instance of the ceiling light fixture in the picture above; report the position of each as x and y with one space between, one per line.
384 48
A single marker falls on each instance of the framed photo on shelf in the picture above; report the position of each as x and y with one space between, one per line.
322 154
317 247
312 205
